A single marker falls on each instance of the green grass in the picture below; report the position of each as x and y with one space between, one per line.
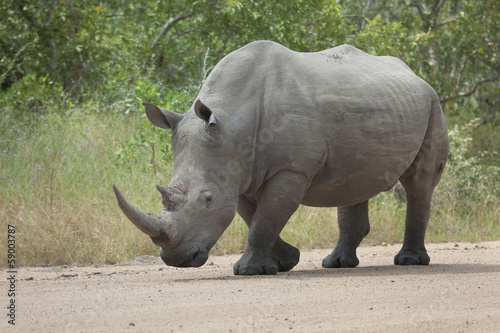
56 173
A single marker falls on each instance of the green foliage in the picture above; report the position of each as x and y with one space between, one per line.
466 176
103 47
467 199
382 37
244 21
30 104
150 147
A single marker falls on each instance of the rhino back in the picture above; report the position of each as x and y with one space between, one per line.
350 122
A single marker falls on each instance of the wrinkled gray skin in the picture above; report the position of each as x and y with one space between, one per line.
272 129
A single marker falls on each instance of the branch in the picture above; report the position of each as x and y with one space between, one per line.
470 92
473 90
205 70
365 12
14 59
169 26
53 65
41 28
114 15
362 16
492 118
355 16
48 16
440 24
28 16
184 33
437 8
455 8
469 57
421 9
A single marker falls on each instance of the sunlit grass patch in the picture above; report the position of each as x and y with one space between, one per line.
56 188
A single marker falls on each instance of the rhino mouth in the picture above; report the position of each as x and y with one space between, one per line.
196 258
199 259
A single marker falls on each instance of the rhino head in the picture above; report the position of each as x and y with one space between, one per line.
198 205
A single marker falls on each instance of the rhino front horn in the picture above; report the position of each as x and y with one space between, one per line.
148 223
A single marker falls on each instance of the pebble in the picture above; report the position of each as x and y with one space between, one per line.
67 275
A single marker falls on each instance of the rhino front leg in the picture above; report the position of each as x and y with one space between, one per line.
285 255
266 253
353 227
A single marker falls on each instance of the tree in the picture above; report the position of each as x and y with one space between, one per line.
460 52
98 49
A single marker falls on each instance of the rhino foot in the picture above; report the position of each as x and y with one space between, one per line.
283 258
253 265
285 255
339 260
412 257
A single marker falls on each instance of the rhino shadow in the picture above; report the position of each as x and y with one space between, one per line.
392 270
366 271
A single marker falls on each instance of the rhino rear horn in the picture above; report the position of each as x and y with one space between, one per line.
172 197
148 223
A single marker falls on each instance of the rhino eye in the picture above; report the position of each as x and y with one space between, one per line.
206 199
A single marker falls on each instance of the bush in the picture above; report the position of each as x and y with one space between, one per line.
465 175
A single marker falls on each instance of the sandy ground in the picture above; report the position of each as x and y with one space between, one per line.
458 292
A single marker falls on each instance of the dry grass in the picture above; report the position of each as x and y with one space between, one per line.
56 176
56 190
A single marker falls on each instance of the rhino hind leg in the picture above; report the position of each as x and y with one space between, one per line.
266 253
413 251
354 225
419 189
419 182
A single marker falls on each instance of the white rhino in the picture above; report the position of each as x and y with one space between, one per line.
272 129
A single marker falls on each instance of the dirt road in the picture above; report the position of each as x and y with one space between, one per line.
458 292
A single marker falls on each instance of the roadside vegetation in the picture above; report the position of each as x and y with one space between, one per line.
73 75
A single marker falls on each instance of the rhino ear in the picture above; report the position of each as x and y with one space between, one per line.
204 113
162 117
